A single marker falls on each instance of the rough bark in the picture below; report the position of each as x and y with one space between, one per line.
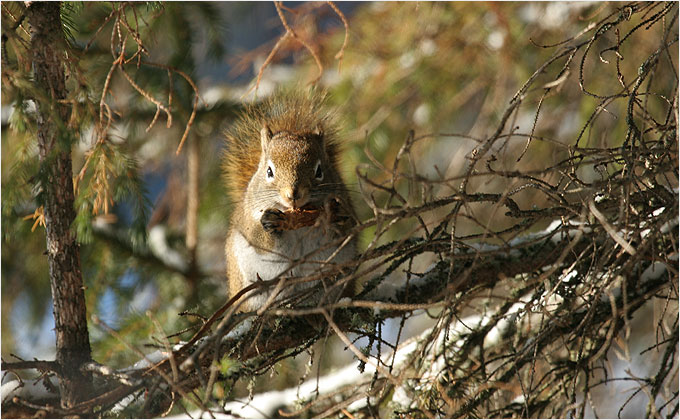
70 317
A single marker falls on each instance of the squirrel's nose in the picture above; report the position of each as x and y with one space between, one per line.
291 193
295 196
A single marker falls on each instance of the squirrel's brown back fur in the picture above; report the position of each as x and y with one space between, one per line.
293 111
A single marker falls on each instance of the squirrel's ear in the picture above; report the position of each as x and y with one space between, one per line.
265 136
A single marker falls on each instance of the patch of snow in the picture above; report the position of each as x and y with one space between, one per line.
658 211
159 247
654 271
421 115
671 224
361 403
428 47
386 292
407 59
240 329
495 40
570 275
151 359
267 404
30 390
401 397
495 334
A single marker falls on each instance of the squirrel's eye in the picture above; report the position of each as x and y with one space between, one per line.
270 173
318 173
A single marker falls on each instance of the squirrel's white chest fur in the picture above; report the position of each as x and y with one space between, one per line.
296 253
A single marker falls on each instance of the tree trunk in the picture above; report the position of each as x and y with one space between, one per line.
70 315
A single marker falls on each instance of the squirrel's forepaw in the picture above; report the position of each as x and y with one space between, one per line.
272 221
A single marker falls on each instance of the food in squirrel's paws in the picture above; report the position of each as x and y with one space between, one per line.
296 218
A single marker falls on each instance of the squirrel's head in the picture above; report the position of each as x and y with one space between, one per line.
293 164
